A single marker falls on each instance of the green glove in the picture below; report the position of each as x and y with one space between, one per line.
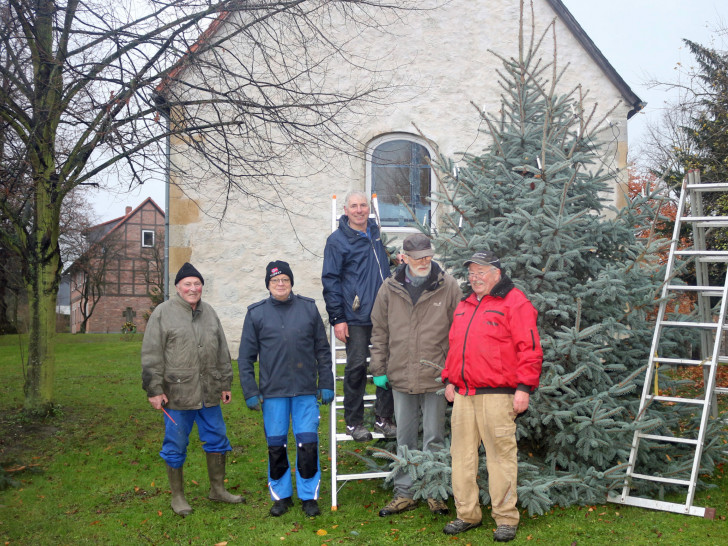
381 381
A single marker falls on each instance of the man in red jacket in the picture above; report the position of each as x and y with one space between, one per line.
492 366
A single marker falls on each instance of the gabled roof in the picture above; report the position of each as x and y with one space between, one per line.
122 219
557 5
113 225
598 57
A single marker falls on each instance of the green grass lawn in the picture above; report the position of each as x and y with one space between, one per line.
92 475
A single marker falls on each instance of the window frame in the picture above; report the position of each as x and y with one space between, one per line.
154 236
389 137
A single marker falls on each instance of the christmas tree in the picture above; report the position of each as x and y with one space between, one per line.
539 197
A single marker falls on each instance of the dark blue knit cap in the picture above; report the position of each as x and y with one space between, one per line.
188 270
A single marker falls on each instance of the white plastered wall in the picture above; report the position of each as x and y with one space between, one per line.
442 65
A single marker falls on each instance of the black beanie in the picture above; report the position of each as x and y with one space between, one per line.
276 268
188 270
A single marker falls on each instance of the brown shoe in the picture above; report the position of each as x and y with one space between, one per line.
397 505
438 507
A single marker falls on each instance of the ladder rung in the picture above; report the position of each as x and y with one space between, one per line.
711 186
707 221
658 505
343 437
661 479
681 361
361 476
720 390
683 324
722 359
707 290
701 252
678 400
668 439
366 398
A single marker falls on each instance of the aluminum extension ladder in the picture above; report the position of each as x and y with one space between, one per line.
711 329
338 358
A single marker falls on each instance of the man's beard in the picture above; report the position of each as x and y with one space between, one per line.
415 273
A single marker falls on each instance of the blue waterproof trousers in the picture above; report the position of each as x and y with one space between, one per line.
210 428
277 414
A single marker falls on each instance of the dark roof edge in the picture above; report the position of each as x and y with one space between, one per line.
583 38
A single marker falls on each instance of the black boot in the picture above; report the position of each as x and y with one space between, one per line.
281 506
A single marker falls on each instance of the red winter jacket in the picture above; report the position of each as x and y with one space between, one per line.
494 344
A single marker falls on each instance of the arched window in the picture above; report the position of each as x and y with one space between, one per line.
399 167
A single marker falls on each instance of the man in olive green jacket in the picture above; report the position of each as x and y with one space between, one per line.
186 369
411 320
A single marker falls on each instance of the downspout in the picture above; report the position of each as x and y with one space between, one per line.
168 167
163 109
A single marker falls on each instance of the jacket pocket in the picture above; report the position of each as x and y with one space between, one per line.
213 393
182 387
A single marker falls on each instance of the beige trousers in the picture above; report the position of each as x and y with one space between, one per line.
486 418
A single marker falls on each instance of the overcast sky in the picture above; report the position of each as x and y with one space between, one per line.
642 39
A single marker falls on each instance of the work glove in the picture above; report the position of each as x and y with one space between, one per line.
325 395
381 381
253 402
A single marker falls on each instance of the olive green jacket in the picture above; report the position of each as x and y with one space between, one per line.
404 335
185 355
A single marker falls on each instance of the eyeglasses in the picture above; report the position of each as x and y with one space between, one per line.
280 281
423 259
481 274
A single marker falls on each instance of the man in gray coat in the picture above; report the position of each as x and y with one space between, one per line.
411 319
186 371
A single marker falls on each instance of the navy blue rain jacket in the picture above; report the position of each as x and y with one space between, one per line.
289 341
354 265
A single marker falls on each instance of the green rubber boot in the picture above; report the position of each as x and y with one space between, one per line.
177 485
216 472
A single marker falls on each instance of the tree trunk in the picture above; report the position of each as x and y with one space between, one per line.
42 277
42 288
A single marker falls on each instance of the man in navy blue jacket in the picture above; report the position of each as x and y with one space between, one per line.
286 335
355 266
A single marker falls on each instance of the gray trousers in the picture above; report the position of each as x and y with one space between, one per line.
407 408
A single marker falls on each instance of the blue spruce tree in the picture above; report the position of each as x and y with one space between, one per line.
538 197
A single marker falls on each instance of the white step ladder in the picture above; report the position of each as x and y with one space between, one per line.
338 358
711 328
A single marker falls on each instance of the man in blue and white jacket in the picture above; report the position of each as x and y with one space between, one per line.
286 335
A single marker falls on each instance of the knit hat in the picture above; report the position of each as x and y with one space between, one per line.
273 269
188 270
483 258
417 246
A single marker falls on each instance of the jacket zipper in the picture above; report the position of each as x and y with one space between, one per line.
465 342
371 244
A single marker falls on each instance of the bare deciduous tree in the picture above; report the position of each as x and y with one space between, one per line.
89 272
82 83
